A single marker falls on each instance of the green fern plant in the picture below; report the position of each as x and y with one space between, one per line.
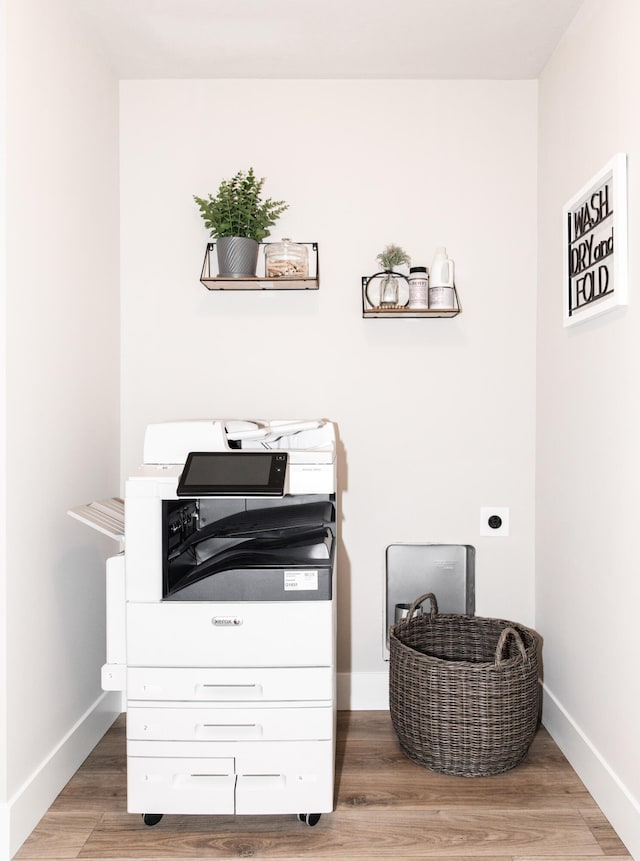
393 256
238 208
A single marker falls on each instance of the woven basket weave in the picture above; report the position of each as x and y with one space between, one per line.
463 691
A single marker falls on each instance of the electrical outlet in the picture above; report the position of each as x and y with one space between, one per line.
494 521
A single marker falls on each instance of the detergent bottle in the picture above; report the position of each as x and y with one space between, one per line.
441 293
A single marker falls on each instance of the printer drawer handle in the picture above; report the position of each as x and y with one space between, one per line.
229 731
202 781
206 685
228 692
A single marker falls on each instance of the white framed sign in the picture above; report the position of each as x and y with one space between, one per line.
595 268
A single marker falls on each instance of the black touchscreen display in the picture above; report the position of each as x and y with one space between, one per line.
233 474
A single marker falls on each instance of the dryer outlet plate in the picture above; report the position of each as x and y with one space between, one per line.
494 521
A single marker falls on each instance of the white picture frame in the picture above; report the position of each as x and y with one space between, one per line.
595 245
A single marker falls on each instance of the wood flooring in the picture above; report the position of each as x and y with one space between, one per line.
386 807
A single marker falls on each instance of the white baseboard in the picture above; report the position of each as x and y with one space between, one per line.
22 812
610 794
362 691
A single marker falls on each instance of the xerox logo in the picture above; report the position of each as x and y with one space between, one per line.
226 621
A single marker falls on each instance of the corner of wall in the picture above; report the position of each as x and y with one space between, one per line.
3 429
362 691
610 794
20 814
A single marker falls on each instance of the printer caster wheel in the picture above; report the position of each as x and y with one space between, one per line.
309 819
151 818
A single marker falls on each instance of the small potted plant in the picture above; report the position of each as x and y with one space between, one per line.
238 218
389 278
393 256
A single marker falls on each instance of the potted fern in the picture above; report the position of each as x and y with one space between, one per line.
239 218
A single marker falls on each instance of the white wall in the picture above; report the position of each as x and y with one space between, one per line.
588 467
3 420
62 398
444 410
436 417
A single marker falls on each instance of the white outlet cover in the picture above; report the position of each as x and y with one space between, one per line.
494 511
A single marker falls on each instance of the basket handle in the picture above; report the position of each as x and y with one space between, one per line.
509 632
418 601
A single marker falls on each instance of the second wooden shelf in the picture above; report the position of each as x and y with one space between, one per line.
404 312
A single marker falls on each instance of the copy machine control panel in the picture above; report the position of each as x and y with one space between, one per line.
233 473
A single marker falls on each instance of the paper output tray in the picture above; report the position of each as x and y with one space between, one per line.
104 515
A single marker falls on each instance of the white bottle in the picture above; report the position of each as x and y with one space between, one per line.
418 286
441 293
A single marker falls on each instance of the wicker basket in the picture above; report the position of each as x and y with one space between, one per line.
463 691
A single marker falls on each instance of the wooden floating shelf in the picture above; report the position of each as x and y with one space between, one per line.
406 313
261 282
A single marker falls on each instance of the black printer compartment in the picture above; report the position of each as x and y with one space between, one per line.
249 549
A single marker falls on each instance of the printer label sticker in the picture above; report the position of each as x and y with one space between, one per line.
301 581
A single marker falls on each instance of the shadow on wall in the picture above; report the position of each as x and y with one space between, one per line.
343 566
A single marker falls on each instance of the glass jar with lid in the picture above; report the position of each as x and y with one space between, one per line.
286 259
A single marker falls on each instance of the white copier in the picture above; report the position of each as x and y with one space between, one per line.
221 618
